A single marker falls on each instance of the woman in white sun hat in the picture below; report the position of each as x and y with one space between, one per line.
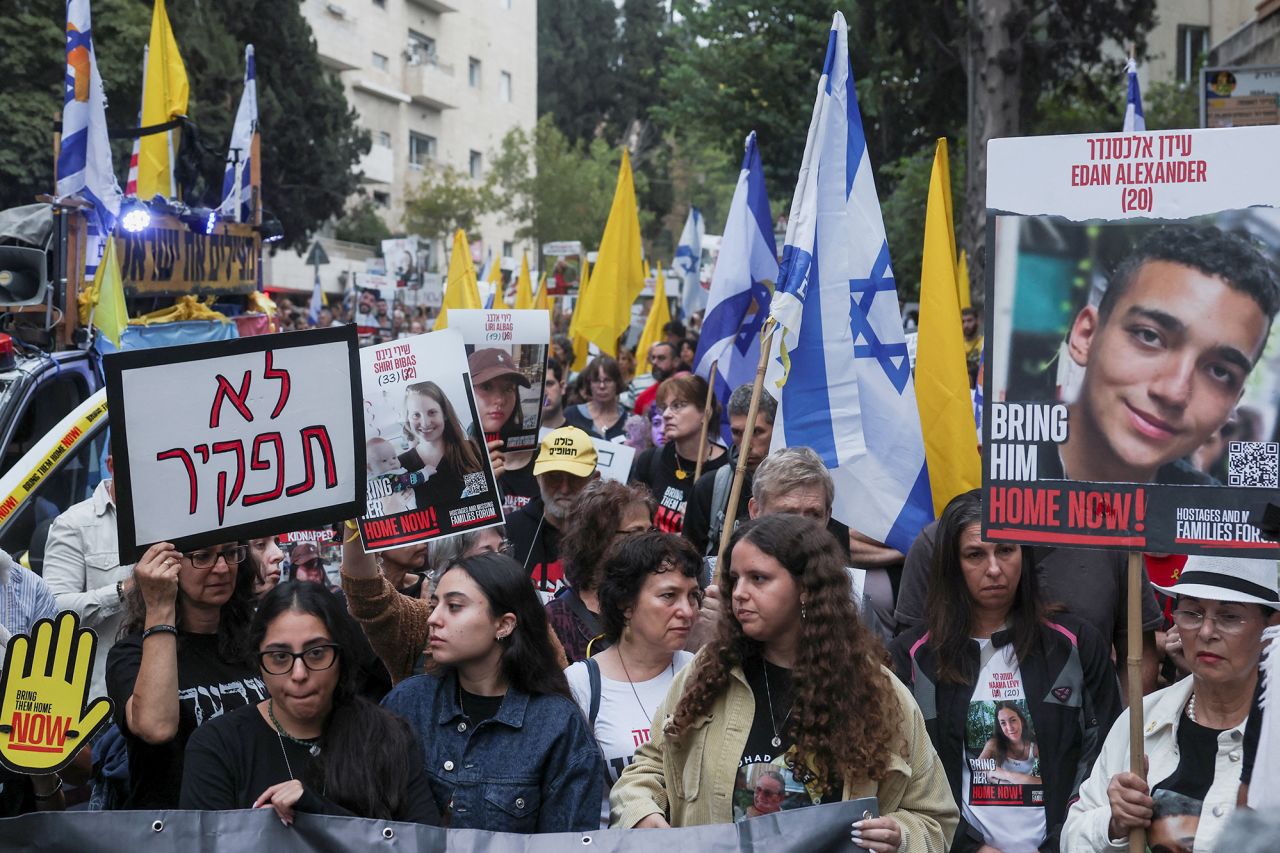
1193 729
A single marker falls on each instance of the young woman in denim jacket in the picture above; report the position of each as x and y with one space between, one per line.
506 747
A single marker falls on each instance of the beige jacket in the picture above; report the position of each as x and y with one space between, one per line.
1086 828
691 781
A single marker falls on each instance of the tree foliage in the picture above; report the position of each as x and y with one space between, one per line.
444 201
311 140
577 63
364 224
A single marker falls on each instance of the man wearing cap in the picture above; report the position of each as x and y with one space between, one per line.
566 462
1194 729
497 380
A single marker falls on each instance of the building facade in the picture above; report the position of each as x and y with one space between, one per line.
438 84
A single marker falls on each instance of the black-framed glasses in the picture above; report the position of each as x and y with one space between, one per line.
207 558
316 659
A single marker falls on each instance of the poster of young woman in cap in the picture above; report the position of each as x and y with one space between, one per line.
428 476
507 354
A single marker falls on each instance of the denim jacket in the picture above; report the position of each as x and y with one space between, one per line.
534 767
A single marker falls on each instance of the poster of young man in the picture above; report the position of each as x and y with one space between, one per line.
507 354
428 476
1132 374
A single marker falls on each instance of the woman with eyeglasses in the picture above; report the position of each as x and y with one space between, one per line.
1017 698
668 470
181 660
314 745
603 513
1194 733
649 598
505 747
601 416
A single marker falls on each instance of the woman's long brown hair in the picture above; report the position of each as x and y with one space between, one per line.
459 451
845 721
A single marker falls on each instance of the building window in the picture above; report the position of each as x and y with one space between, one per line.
384 139
1193 43
422 149
421 49
473 72
381 62
382 199
504 86
476 164
508 249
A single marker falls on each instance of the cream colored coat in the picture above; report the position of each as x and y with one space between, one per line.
691 781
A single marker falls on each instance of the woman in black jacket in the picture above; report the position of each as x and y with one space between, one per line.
1017 701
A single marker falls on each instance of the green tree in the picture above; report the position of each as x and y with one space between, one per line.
554 189
444 201
363 224
311 140
577 58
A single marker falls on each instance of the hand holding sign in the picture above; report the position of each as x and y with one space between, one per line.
45 716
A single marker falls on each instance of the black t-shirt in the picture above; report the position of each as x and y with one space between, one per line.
536 545
233 759
208 687
698 511
1197 758
669 477
764 784
477 708
517 487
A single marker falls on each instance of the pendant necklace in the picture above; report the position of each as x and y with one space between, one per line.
647 718
768 692
313 746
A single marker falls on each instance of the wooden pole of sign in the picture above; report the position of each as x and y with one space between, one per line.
744 446
1133 660
706 419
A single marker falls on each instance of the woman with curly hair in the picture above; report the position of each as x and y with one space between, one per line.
605 512
791 683
1016 701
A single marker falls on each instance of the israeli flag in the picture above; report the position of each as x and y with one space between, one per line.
741 285
839 354
84 158
236 196
688 262
1133 117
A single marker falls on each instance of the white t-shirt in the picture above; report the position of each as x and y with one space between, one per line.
1003 797
622 723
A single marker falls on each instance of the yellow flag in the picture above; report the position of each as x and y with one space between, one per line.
164 97
659 316
580 344
962 279
942 379
461 289
540 299
524 286
106 297
604 312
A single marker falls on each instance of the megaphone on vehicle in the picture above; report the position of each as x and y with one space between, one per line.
24 276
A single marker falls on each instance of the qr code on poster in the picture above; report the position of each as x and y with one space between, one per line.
1254 463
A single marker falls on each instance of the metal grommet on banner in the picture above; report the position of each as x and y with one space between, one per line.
157 826
388 833
586 839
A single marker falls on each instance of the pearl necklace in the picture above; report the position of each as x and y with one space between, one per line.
1191 708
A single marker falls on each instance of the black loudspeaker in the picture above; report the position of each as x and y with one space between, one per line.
24 276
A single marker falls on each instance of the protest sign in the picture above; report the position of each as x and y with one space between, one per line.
428 471
45 712
507 348
235 439
1132 373
613 460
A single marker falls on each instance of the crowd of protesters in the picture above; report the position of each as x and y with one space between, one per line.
592 664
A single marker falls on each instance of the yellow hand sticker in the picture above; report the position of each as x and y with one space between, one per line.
45 714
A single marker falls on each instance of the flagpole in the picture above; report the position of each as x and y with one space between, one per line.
744 444
706 420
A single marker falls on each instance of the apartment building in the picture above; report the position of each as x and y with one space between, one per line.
437 83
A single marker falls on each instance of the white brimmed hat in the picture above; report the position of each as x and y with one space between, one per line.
1228 579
